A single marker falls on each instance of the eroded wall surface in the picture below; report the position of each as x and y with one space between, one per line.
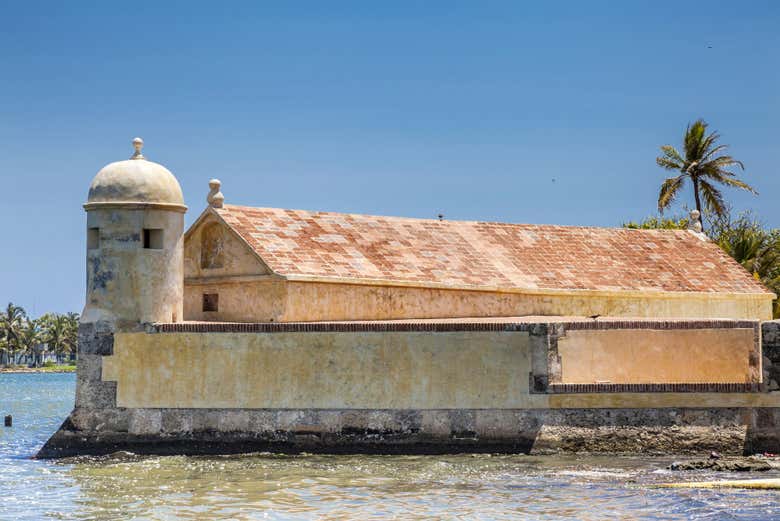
329 301
406 367
127 282
248 300
393 370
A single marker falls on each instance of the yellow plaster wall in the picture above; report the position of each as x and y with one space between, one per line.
399 370
658 356
240 300
330 301
297 301
355 370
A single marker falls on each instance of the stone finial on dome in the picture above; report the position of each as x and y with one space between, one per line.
138 144
694 223
215 197
132 183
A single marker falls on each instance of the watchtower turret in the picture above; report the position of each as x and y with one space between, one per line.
135 220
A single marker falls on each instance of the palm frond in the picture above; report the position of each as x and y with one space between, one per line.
669 190
711 152
668 164
713 199
716 173
671 158
707 144
725 162
694 135
736 183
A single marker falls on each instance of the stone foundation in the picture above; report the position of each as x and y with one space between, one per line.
543 431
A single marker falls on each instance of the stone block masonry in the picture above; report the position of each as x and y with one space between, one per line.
539 431
770 332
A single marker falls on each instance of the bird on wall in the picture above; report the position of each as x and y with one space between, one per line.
594 317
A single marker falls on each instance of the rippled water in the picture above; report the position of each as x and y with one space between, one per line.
262 486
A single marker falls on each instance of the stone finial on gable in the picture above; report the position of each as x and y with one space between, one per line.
215 197
694 223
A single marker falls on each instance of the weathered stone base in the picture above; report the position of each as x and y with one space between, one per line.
539 431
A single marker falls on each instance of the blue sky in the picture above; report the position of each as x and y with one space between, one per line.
398 108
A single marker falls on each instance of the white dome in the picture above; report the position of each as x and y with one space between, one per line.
135 181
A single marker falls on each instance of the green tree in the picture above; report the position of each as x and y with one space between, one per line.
30 337
56 334
12 320
72 332
700 163
756 248
659 223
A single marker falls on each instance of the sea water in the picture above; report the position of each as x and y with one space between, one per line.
266 486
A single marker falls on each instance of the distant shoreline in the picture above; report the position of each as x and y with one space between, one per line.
53 369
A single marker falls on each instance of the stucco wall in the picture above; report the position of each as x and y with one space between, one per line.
658 356
290 368
328 301
392 370
241 299
290 301
127 282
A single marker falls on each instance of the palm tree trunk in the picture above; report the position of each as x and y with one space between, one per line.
696 194
698 200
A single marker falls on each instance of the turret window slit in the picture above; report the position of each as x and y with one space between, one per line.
93 238
153 239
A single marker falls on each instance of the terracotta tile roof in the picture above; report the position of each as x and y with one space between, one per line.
299 243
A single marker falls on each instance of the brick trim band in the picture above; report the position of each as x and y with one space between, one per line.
655 388
336 327
302 327
662 324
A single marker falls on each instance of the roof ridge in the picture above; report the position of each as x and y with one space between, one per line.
444 221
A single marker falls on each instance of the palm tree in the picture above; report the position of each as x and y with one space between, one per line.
56 334
4 350
29 338
703 166
11 322
72 333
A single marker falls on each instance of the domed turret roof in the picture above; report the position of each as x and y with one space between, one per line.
135 182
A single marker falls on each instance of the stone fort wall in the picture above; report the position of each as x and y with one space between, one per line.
412 387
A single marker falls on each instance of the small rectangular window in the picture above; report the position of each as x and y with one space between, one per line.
93 238
211 302
153 238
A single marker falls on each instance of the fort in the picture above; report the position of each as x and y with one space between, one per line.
289 330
